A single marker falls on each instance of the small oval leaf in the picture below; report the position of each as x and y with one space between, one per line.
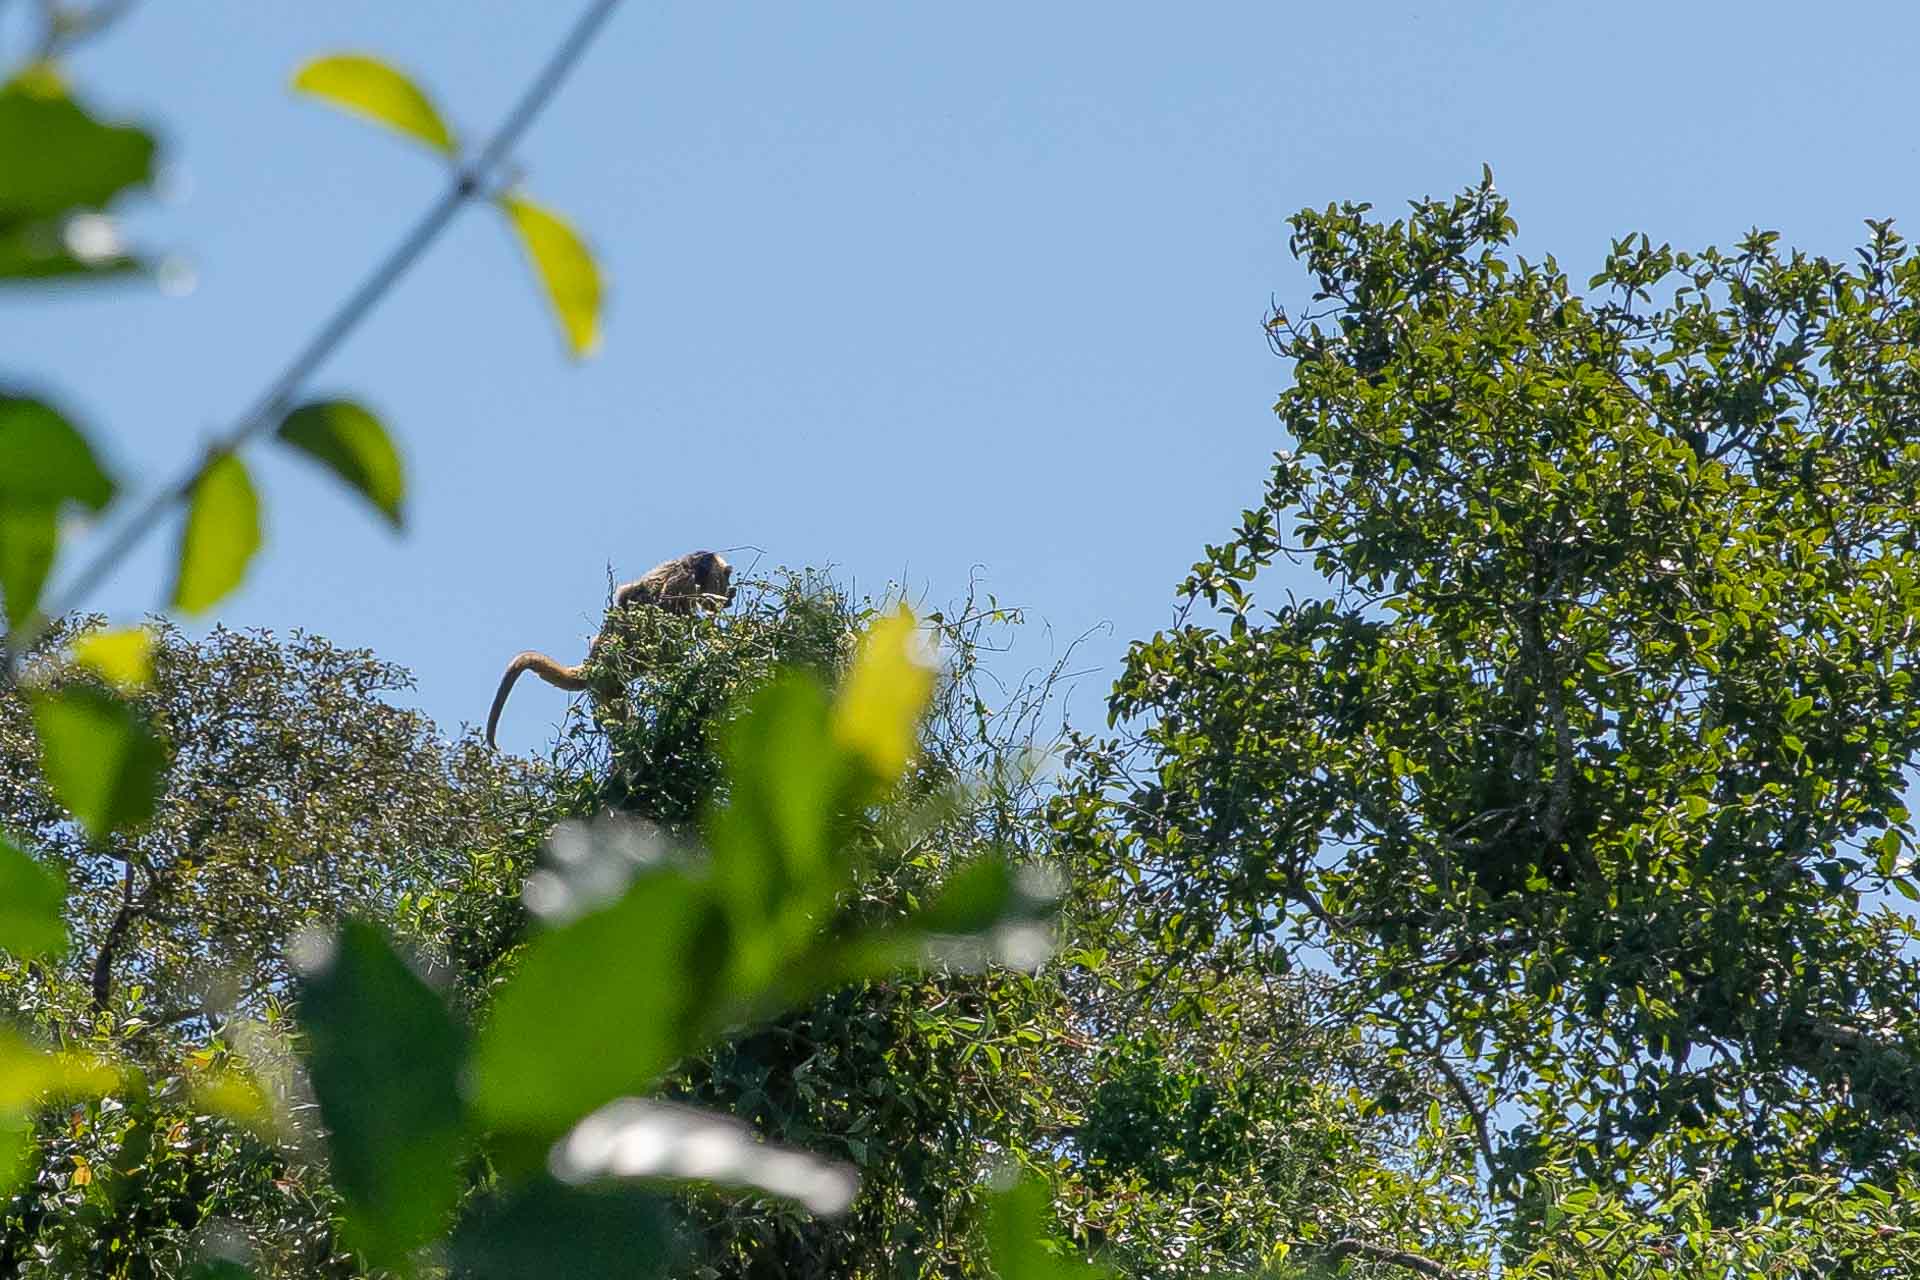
99 757
221 535
369 87
123 658
31 900
566 269
351 443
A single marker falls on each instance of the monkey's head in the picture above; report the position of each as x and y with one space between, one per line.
714 576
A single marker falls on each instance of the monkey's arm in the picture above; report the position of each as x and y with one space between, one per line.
561 677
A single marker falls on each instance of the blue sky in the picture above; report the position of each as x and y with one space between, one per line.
899 288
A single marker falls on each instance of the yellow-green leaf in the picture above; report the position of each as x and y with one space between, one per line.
351 443
99 757
221 535
566 269
123 658
878 714
369 87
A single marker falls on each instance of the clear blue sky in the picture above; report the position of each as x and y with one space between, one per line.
900 288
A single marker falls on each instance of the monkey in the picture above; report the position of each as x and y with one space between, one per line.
702 578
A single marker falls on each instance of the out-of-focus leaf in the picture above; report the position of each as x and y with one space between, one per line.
599 1007
55 157
99 757
44 460
643 1138
583 1233
566 269
770 845
29 539
384 1056
221 535
51 249
976 897
221 1269
28 1078
31 900
368 87
878 713
1019 1242
122 657
351 443
235 1096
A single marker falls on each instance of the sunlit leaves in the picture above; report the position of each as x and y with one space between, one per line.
31 900
370 88
599 1007
879 711
352 443
222 534
122 657
566 269
99 757
384 1057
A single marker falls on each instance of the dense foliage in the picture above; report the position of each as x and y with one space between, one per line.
1587 776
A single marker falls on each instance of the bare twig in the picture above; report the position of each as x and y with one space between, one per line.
1348 1246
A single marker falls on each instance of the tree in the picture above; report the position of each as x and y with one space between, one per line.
1586 776
293 794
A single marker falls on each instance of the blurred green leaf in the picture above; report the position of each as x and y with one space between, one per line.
584 1233
29 539
352 443
878 713
54 157
1020 1243
123 657
566 269
100 758
368 87
221 535
384 1056
221 1269
770 844
29 1077
43 249
599 1007
31 900
974 898
44 460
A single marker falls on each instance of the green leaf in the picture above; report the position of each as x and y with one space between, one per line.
974 899
29 539
384 1056
221 535
1018 1239
54 157
770 843
32 898
45 461
29 1078
368 87
350 442
599 1007
584 1233
566 269
99 757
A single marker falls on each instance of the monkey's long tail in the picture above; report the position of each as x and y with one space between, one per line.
561 677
